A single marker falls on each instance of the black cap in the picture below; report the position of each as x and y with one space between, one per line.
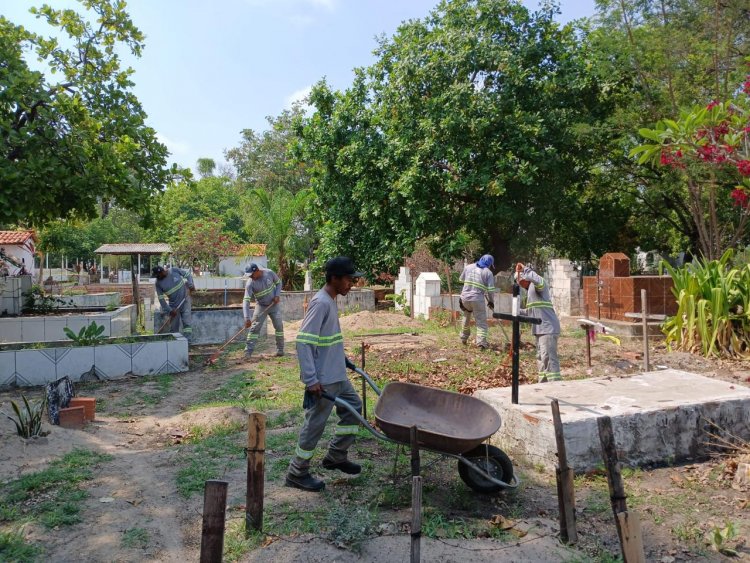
342 266
157 270
252 268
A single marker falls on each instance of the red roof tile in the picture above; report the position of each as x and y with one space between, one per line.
16 237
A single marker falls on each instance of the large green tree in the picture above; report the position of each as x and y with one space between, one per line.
75 134
480 118
664 55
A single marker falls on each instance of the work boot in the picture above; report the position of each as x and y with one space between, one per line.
542 379
483 346
305 482
346 466
247 355
464 341
279 353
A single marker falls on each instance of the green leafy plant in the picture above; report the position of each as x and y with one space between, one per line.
720 536
400 299
28 419
713 308
36 300
90 335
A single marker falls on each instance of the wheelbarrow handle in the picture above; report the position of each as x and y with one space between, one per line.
364 375
342 403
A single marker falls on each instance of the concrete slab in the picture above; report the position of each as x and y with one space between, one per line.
657 417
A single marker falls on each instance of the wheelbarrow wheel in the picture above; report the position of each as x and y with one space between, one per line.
492 460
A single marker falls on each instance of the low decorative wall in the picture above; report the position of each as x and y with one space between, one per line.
49 328
212 325
146 355
84 300
11 294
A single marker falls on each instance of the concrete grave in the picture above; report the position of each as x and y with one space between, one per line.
145 355
656 416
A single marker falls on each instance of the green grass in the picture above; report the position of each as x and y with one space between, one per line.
135 538
208 454
52 497
13 548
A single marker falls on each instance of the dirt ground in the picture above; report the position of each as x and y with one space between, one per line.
145 423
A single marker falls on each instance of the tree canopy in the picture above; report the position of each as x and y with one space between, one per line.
71 142
478 118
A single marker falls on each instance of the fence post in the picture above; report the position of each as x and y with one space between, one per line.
256 451
214 510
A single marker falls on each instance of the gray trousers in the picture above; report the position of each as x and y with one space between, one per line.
479 310
185 314
546 357
315 423
259 323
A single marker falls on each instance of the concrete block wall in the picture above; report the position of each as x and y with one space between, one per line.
49 328
214 282
111 299
11 294
565 287
403 284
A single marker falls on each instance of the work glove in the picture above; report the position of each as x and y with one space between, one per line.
349 364
491 304
461 305
309 400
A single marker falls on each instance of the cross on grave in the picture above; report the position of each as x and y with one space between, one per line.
516 319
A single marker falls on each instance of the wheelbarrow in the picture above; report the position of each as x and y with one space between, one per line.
448 423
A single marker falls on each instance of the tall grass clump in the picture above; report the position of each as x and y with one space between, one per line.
713 308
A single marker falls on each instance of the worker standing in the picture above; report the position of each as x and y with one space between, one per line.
539 305
173 287
479 283
265 286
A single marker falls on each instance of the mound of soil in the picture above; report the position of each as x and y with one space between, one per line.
367 320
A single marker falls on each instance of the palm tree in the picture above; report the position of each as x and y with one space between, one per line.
276 218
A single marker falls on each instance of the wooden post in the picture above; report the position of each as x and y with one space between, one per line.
644 324
565 490
629 534
256 448
450 294
364 383
214 509
416 498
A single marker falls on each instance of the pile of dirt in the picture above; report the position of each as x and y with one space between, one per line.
208 418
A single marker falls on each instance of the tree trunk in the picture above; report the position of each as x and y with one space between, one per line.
500 250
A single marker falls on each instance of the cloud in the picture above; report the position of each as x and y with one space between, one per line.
176 148
298 96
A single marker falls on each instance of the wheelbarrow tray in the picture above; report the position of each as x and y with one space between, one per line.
448 422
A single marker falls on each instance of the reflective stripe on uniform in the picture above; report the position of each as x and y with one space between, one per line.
345 430
540 305
187 329
554 376
316 340
479 285
175 288
304 454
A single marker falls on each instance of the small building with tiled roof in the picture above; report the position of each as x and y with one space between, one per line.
243 256
20 248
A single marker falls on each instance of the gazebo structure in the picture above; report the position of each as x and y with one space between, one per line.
136 251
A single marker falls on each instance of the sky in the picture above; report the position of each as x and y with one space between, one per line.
213 68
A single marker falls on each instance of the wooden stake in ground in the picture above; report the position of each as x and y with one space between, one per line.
628 526
214 509
416 498
644 324
565 491
588 330
256 451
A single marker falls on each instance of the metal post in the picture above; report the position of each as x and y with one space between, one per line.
364 383
516 345
644 321
588 339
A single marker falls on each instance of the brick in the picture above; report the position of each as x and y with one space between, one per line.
88 404
72 417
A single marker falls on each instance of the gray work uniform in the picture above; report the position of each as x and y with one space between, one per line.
320 352
172 292
478 282
539 305
265 289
